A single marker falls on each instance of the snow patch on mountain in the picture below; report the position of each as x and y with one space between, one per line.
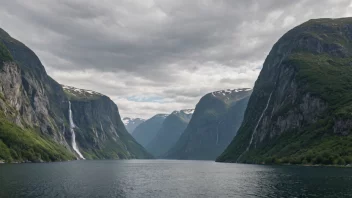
80 92
132 123
188 111
229 91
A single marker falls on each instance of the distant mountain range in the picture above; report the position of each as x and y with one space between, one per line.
169 132
215 122
132 123
146 131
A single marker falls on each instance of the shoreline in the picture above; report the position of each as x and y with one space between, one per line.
262 164
305 165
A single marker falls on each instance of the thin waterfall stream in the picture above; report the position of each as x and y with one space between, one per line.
72 126
256 127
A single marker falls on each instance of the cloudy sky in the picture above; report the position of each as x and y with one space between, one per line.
156 56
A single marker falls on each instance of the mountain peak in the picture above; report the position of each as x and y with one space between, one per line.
128 120
132 123
229 91
161 115
184 111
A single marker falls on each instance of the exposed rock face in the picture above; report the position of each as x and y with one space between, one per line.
299 111
99 129
34 110
170 131
214 123
30 98
132 123
147 131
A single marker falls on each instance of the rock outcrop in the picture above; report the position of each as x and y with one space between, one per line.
99 129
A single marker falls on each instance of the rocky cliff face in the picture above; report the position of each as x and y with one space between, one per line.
31 104
147 131
214 123
170 131
299 111
34 121
99 130
132 123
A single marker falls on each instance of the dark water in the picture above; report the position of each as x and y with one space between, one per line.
162 178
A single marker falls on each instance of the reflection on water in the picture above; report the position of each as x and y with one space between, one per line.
171 178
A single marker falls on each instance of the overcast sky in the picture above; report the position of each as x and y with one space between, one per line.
156 56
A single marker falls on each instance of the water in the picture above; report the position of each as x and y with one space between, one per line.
163 178
72 126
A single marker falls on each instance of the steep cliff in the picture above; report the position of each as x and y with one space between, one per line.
34 112
215 122
147 131
170 131
99 130
300 109
32 122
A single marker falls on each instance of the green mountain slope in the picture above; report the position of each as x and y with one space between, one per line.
300 111
34 114
28 131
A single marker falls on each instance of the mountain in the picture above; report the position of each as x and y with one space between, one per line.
34 109
132 123
215 122
146 131
98 127
300 109
170 131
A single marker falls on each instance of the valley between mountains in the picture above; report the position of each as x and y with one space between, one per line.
298 112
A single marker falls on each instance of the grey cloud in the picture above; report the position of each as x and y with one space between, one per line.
154 47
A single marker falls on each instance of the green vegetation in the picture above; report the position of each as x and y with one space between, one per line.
4 53
328 77
315 145
18 145
321 58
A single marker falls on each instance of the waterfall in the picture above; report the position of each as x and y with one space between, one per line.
256 127
72 126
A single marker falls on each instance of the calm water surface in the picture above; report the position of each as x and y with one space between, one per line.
169 178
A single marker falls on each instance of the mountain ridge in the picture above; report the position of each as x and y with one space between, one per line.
132 123
145 132
213 125
170 131
299 110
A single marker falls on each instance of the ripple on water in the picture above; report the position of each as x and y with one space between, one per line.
171 178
